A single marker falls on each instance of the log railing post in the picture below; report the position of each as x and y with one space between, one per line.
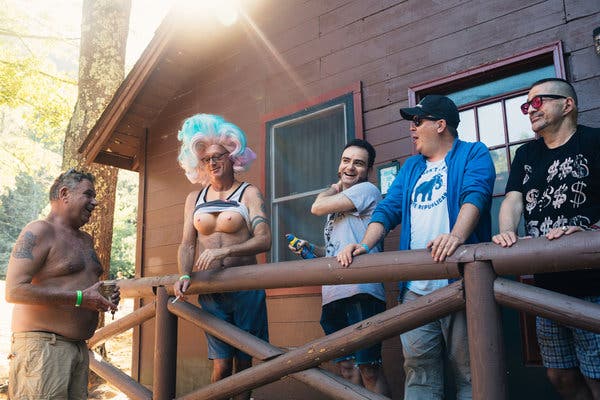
484 327
165 349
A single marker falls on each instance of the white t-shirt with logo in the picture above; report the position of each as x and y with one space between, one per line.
429 216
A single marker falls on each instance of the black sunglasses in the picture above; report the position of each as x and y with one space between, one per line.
537 102
417 120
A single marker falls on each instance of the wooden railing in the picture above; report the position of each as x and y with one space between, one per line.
480 291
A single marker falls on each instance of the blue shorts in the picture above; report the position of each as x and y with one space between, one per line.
342 313
245 309
566 347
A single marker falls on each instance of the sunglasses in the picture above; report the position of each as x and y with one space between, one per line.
215 158
417 120
538 100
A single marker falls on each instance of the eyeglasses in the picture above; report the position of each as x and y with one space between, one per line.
417 120
537 102
214 158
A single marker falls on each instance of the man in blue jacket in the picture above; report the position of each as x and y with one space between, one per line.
442 198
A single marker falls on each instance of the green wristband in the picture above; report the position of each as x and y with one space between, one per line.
182 277
79 298
365 246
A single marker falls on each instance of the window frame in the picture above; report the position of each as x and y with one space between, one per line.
290 113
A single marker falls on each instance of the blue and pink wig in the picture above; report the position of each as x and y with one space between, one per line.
203 130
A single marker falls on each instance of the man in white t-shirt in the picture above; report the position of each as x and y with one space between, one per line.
442 198
348 204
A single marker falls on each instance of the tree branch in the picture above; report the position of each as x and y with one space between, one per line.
37 71
10 33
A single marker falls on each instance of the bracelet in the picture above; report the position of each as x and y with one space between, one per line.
365 246
79 298
182 277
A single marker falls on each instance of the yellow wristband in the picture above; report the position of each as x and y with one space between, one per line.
182 277
79 298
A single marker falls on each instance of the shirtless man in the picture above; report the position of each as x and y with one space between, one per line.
53 280
226 221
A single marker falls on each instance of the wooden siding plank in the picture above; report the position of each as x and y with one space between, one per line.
356 11
394 150
288 309
293 334
583 64
587 93
463 25
164 180
160 255
581 8
174 195
577 34
387 133
165 235
164 217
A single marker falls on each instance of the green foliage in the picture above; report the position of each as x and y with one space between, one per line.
122 257
39 53
31 82
18 207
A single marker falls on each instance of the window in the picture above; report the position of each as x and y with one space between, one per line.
303 150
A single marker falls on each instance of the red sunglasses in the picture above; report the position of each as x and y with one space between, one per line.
537 102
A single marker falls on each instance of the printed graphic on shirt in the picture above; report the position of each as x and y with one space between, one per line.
430 190
429 216
564 192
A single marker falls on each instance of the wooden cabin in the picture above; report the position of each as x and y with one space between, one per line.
301 78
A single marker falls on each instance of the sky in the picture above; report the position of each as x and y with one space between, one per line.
62 18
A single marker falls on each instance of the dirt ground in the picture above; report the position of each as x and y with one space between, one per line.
118 349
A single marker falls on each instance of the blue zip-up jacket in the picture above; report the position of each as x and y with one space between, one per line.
471 176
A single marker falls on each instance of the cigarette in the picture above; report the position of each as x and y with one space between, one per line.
175 299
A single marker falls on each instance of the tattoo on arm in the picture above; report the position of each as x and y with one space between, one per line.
24 246
259 220
263 208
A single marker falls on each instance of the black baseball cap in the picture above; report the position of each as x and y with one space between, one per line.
435 106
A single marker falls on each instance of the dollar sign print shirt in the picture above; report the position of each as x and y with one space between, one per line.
560 187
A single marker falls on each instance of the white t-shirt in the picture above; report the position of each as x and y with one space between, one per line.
349 227
429 216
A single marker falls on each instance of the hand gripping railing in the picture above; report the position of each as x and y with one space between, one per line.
480 292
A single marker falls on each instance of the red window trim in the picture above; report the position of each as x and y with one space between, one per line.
355 89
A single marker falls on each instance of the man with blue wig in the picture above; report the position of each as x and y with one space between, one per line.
225 226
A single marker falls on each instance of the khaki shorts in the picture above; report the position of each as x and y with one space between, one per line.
44 365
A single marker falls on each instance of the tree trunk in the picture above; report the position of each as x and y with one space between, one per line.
104 29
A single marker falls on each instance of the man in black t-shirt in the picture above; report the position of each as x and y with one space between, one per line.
555 183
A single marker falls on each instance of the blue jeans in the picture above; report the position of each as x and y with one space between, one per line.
424 350
349 311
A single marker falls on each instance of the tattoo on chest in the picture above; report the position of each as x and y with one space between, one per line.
24 246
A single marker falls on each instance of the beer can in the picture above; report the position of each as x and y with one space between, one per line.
107 289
